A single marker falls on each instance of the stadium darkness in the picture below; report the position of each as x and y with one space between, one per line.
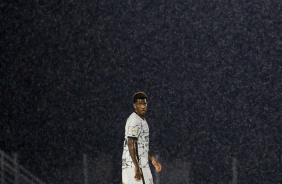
211 70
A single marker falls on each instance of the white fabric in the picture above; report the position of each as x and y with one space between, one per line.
138 128
129 173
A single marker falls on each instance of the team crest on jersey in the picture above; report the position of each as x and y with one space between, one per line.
132 130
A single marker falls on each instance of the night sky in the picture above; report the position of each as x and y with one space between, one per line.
212 71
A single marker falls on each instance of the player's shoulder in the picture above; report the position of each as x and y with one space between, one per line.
133 117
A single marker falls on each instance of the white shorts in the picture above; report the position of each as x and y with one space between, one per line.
129 173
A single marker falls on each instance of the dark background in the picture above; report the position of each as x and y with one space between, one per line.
211 70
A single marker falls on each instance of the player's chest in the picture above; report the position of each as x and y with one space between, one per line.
144 133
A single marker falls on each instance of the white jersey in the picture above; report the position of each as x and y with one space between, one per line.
136 127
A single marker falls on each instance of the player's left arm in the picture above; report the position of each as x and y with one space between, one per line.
155 162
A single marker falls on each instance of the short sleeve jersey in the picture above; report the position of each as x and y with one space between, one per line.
137 128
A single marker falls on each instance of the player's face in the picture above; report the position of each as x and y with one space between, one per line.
140 107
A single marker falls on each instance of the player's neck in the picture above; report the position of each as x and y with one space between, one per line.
142 117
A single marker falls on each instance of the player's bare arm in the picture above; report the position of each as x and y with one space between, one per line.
132 151
155 162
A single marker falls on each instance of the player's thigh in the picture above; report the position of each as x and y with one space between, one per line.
147 175
128 176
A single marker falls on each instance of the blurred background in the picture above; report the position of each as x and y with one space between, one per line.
211 69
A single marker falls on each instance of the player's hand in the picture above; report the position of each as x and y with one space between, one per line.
157 165
138 173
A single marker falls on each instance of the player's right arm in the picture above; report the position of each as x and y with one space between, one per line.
132 142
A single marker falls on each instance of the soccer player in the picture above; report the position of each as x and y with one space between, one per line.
135 165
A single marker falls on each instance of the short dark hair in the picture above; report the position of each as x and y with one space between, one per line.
139 95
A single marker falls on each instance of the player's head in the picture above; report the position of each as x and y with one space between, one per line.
140 103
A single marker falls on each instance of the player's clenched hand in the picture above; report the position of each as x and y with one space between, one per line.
157 165
138 173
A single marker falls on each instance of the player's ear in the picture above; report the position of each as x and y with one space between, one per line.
134 105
